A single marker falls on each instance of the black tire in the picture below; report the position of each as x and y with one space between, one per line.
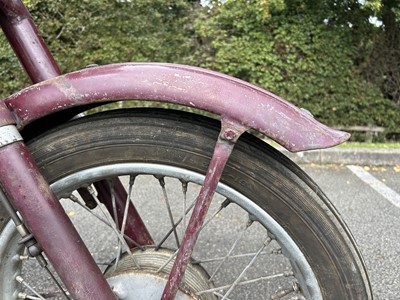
255 170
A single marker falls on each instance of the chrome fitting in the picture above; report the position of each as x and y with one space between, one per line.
9 134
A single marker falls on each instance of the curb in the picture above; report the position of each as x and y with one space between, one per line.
346 156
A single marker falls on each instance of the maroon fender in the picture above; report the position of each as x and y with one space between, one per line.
226 96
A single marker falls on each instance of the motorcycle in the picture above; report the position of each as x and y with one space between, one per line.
259 227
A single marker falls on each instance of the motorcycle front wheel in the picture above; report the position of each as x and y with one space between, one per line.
270 233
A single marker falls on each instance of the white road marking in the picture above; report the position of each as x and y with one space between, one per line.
377 185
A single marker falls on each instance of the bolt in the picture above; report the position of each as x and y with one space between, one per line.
229 135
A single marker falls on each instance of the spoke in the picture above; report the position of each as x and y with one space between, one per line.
43 263
135 227
130 240
174 227
241 234
22 281
124 218
223 205
213 290
46 295
184 192
76 200
220 295
114 205
167 262
209 260
114 209
128 200
120 237
25 296
239 278
166 200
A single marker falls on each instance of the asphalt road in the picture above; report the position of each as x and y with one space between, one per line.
369 205
372 218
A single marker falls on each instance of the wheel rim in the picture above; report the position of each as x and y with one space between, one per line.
304 276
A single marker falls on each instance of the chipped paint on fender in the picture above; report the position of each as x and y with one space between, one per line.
217 93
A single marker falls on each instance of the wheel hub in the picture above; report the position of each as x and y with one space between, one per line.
143 276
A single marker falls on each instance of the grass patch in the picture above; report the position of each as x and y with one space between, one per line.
354 145
371 145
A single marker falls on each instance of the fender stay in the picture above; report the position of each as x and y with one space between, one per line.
226 96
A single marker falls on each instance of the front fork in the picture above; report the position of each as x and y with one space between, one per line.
27 190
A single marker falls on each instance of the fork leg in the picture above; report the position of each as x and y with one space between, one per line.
44 216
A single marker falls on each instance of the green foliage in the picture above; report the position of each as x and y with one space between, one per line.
297 53
80 33
113 31
322 55
381 66
12 79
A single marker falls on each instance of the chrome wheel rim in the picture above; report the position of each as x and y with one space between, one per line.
305 278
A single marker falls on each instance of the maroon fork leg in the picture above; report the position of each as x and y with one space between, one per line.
222 151
43 214
26 42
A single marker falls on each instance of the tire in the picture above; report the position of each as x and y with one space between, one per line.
309 239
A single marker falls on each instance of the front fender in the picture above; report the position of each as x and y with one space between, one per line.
226 96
